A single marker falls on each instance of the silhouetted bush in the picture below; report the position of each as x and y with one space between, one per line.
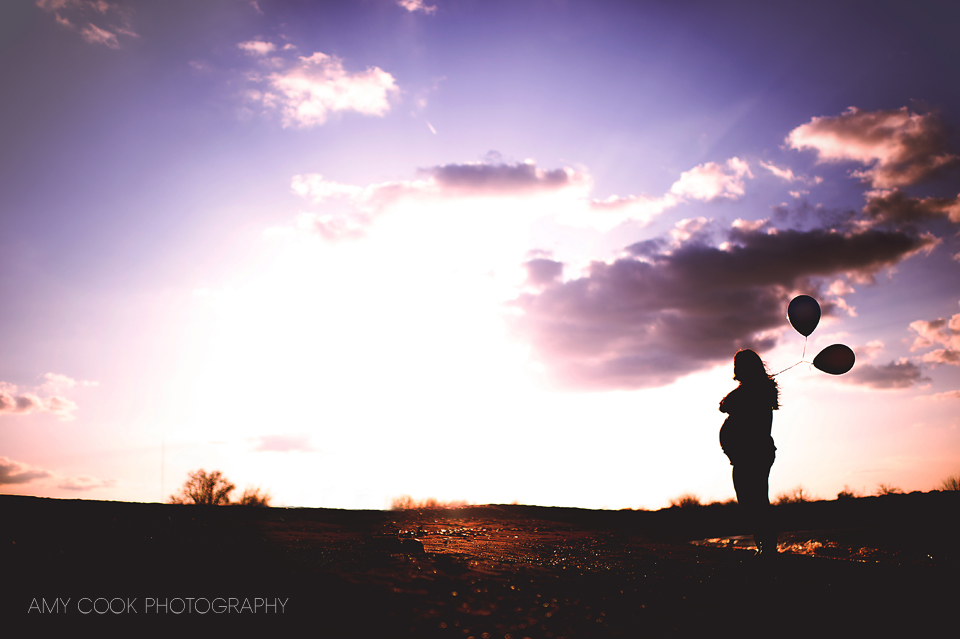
951 483
203 488
888 489
848 493
686 500
254 497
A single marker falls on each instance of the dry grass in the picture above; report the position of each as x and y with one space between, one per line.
888 489
794 496
406 502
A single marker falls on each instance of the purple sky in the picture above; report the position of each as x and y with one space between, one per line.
489 251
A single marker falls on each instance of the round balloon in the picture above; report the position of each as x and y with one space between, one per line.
835 359
804 314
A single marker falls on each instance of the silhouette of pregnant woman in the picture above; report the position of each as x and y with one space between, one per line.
745 438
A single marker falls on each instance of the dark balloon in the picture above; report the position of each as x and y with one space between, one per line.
835 359
804 314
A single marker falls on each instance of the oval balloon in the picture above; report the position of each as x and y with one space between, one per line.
804 314
835 359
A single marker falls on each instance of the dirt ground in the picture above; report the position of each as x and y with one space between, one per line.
880 565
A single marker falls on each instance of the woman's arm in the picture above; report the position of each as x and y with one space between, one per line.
728 403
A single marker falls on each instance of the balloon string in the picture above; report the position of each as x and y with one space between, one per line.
789 367
804 354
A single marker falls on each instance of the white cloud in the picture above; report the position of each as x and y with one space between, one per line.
317 86
314 187
256 47
711 181
17 401
783 174
705 182
416 5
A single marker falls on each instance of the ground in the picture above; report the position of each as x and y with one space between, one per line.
883 565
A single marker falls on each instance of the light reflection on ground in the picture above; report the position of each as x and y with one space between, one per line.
823 543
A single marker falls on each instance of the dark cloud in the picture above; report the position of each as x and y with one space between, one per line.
283 443
542 271
12 472
899 148
897 207
903 374
13 402
498 179
645 321
25 403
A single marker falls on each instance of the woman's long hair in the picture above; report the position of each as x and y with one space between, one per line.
749 369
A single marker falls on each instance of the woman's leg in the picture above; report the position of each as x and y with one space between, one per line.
751 481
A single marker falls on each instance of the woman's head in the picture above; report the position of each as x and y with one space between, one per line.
747 367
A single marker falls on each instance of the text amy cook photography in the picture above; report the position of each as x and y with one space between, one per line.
164 605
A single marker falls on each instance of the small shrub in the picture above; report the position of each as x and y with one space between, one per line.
686 500
951 483
254 496
888 489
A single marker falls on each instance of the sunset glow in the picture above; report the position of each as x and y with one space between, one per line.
484 252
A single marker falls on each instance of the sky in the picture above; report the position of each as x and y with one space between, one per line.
485 251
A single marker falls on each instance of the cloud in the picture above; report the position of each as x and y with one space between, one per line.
360 205
542 271
256 47
667 309
84 482
954 394
640 208
497 179
705 182
314 87
416 5
869 350
95 35
283 443
938 332
895 206
783 174
12 472
711 181
480 178
119 19
899 148
314 187
895 375
15 401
